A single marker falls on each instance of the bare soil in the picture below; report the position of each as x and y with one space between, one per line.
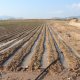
31 47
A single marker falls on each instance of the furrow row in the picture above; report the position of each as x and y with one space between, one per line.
39 50
21 53
9 43
10 51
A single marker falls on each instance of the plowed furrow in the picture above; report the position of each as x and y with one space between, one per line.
13 35
36 59
27 59
23 34
9 43
21 53
70 60
7 53
53 55
60 54
45 56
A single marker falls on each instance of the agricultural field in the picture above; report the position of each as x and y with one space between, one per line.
39 50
